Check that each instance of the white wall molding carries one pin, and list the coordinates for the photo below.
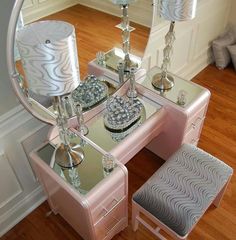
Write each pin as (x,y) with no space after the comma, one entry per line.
(34,10)
(6,170)
(20,210)
(13,119)
(18,182)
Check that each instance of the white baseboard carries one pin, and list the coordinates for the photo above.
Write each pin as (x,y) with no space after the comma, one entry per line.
(199,64)
(21,210)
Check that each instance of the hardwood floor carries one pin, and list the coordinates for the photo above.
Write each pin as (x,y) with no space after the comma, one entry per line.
(96,31)
(218,138)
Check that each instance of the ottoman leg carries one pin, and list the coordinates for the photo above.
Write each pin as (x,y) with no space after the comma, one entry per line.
(135,214)
(220,195)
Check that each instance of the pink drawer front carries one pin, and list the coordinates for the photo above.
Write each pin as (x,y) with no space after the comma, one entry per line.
(193,135)
(111,222)
(195,121)
(108,204)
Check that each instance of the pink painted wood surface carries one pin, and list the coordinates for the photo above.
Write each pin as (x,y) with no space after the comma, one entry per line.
(138,139)
(77,209)
(178,122)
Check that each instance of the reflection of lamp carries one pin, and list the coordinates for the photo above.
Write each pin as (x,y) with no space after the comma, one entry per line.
(172,10)
(49,56)
(126,29)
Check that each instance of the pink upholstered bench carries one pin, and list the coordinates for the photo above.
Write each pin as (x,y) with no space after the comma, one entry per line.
(179,193)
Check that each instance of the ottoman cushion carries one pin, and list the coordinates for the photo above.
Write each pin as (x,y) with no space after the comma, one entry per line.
(183,188)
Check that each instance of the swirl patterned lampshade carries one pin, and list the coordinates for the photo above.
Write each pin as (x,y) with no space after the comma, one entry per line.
(49,56)
(178,10)
(123,2)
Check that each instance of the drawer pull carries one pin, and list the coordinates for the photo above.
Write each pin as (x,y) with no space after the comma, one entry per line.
(109,211)
(109,230)
(196,123)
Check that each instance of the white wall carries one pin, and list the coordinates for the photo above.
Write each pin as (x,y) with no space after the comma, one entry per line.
(192,48)
(232,17)
(7,97)
(36,9)
(140,8)
(20,133)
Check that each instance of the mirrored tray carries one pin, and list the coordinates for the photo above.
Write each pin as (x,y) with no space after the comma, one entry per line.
(114,56)
(83,177)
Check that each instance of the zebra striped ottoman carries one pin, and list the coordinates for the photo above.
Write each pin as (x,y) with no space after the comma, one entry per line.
(179,193)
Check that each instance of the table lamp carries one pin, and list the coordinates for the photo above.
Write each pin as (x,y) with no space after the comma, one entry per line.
(49,57)
(172,10)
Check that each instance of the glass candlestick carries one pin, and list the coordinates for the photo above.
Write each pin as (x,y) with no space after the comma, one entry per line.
(126,36)
(100,58)
(121,71)
(67,106)
(182,97)
(108,163)
(82,128)
(132,93)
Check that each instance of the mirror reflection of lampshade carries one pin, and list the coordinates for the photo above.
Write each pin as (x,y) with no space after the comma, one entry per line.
(178,10)
(49,55)
(123,2)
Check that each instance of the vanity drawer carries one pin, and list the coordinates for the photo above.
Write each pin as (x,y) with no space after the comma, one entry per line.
(192,136)
(108,204)
(195,121)
(109,223)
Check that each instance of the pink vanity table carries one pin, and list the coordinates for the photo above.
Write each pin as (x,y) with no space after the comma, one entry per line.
(97,209)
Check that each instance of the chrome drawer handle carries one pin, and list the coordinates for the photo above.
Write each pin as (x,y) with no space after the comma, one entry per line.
(109,211)
(117,203)
(109,230)
(197,123)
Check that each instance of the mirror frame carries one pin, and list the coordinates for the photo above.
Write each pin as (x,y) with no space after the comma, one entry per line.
(12,69)
(14,75)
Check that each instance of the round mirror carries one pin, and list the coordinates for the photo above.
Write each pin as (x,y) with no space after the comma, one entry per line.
(101,42)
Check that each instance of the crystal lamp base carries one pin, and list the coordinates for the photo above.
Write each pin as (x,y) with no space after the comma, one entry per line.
(162,82)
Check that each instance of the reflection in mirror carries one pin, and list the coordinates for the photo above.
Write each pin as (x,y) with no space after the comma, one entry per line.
(99,44)
(183,94)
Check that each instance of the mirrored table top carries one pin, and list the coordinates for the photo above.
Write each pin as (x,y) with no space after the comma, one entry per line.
(90,172)
(106,139)
(83,177)
(192,90)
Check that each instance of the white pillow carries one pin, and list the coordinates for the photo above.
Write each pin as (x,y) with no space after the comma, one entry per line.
(220,51)
(232,51)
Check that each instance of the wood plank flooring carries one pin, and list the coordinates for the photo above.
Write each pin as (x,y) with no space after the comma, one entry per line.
(96,31)
(218,138)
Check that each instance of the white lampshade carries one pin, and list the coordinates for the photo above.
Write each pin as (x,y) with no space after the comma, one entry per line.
(123,2)
(178,10)
(49,56)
